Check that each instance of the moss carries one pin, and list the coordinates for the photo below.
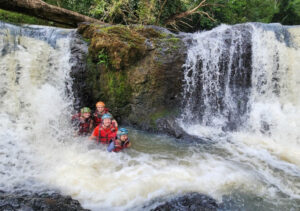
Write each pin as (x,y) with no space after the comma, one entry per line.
(123,45)
(149,33)
(93,78)
(164,35)
(158,115)
(111,87)
(173,40)
(17,18)
(87,40)
(134,78)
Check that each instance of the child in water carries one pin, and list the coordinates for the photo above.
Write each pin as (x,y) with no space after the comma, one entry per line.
(83,121)
(121,142)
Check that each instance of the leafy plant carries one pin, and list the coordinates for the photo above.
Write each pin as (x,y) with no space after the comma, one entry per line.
(103,58)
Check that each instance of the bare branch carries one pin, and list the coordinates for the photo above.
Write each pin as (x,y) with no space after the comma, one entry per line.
(186,24)
(160,11)
(176,17)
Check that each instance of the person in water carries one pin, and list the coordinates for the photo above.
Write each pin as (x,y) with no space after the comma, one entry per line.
(100,111)
(106,131)
(121,142)
(83,121)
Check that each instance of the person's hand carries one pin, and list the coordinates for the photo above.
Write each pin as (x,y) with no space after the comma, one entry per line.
(118,143)
(115,123)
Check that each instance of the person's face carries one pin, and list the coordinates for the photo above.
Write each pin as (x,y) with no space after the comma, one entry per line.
(124,137)
(106,122)
(86,115)
(100,109)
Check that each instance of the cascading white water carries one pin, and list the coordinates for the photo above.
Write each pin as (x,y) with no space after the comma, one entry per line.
(217,76)
(38,151)
(259,94)
(34,68)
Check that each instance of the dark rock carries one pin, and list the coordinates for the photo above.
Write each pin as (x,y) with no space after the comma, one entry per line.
(44,201)
(170,126)
(79,51)
(189,202)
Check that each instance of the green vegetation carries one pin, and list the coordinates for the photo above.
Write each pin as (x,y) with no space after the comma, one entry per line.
(116,47)
(182,15)
(289,12)
(103,57)
(214,12)
(80,6)
(159,114)
(166,13)
(17,18)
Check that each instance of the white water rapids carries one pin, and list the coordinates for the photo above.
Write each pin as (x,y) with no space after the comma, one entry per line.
(248,169)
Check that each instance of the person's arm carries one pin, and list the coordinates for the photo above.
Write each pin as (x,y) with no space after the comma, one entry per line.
(92,137)
(115,123)
(111,146)
(94,134)
(91,125)
(113,120)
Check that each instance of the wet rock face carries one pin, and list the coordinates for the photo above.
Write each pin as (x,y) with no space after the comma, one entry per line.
(79,52)
(190,202)
(137,71)
(44,201)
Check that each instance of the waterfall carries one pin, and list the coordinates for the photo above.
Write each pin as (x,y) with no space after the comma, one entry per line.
(218,76)
(35,98)
(241,91)
(245,78)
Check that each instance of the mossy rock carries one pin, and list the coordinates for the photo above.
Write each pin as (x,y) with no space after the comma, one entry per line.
(139,84)
(123,45)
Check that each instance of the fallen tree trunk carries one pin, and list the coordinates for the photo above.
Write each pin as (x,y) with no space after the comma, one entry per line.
(42,10)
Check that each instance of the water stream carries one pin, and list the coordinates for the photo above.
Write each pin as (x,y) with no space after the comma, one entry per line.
(253,162)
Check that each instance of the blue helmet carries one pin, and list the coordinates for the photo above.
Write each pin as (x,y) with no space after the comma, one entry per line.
(122,131)
(106,116)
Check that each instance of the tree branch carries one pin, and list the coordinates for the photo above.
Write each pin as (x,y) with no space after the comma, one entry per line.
(176,17)
(40,9)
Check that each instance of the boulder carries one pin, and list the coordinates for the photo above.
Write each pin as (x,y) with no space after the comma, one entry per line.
(43,201)
(190,201)
(136,70)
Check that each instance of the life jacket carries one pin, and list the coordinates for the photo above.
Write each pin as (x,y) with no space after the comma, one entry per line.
(98,117)
(106,135)
(84,127)
(119,147)
(75,119)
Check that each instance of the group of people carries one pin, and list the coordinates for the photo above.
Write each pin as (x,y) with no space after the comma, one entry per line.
(102,127)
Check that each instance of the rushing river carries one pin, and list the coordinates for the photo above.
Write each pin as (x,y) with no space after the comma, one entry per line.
(252,162)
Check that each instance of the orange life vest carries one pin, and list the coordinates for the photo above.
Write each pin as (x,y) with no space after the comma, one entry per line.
(106,134)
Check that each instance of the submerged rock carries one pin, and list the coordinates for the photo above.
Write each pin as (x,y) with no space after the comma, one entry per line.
(45,201)
(189,202)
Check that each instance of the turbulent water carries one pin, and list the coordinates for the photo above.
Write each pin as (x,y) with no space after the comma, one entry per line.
(241,93)
(241,90)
